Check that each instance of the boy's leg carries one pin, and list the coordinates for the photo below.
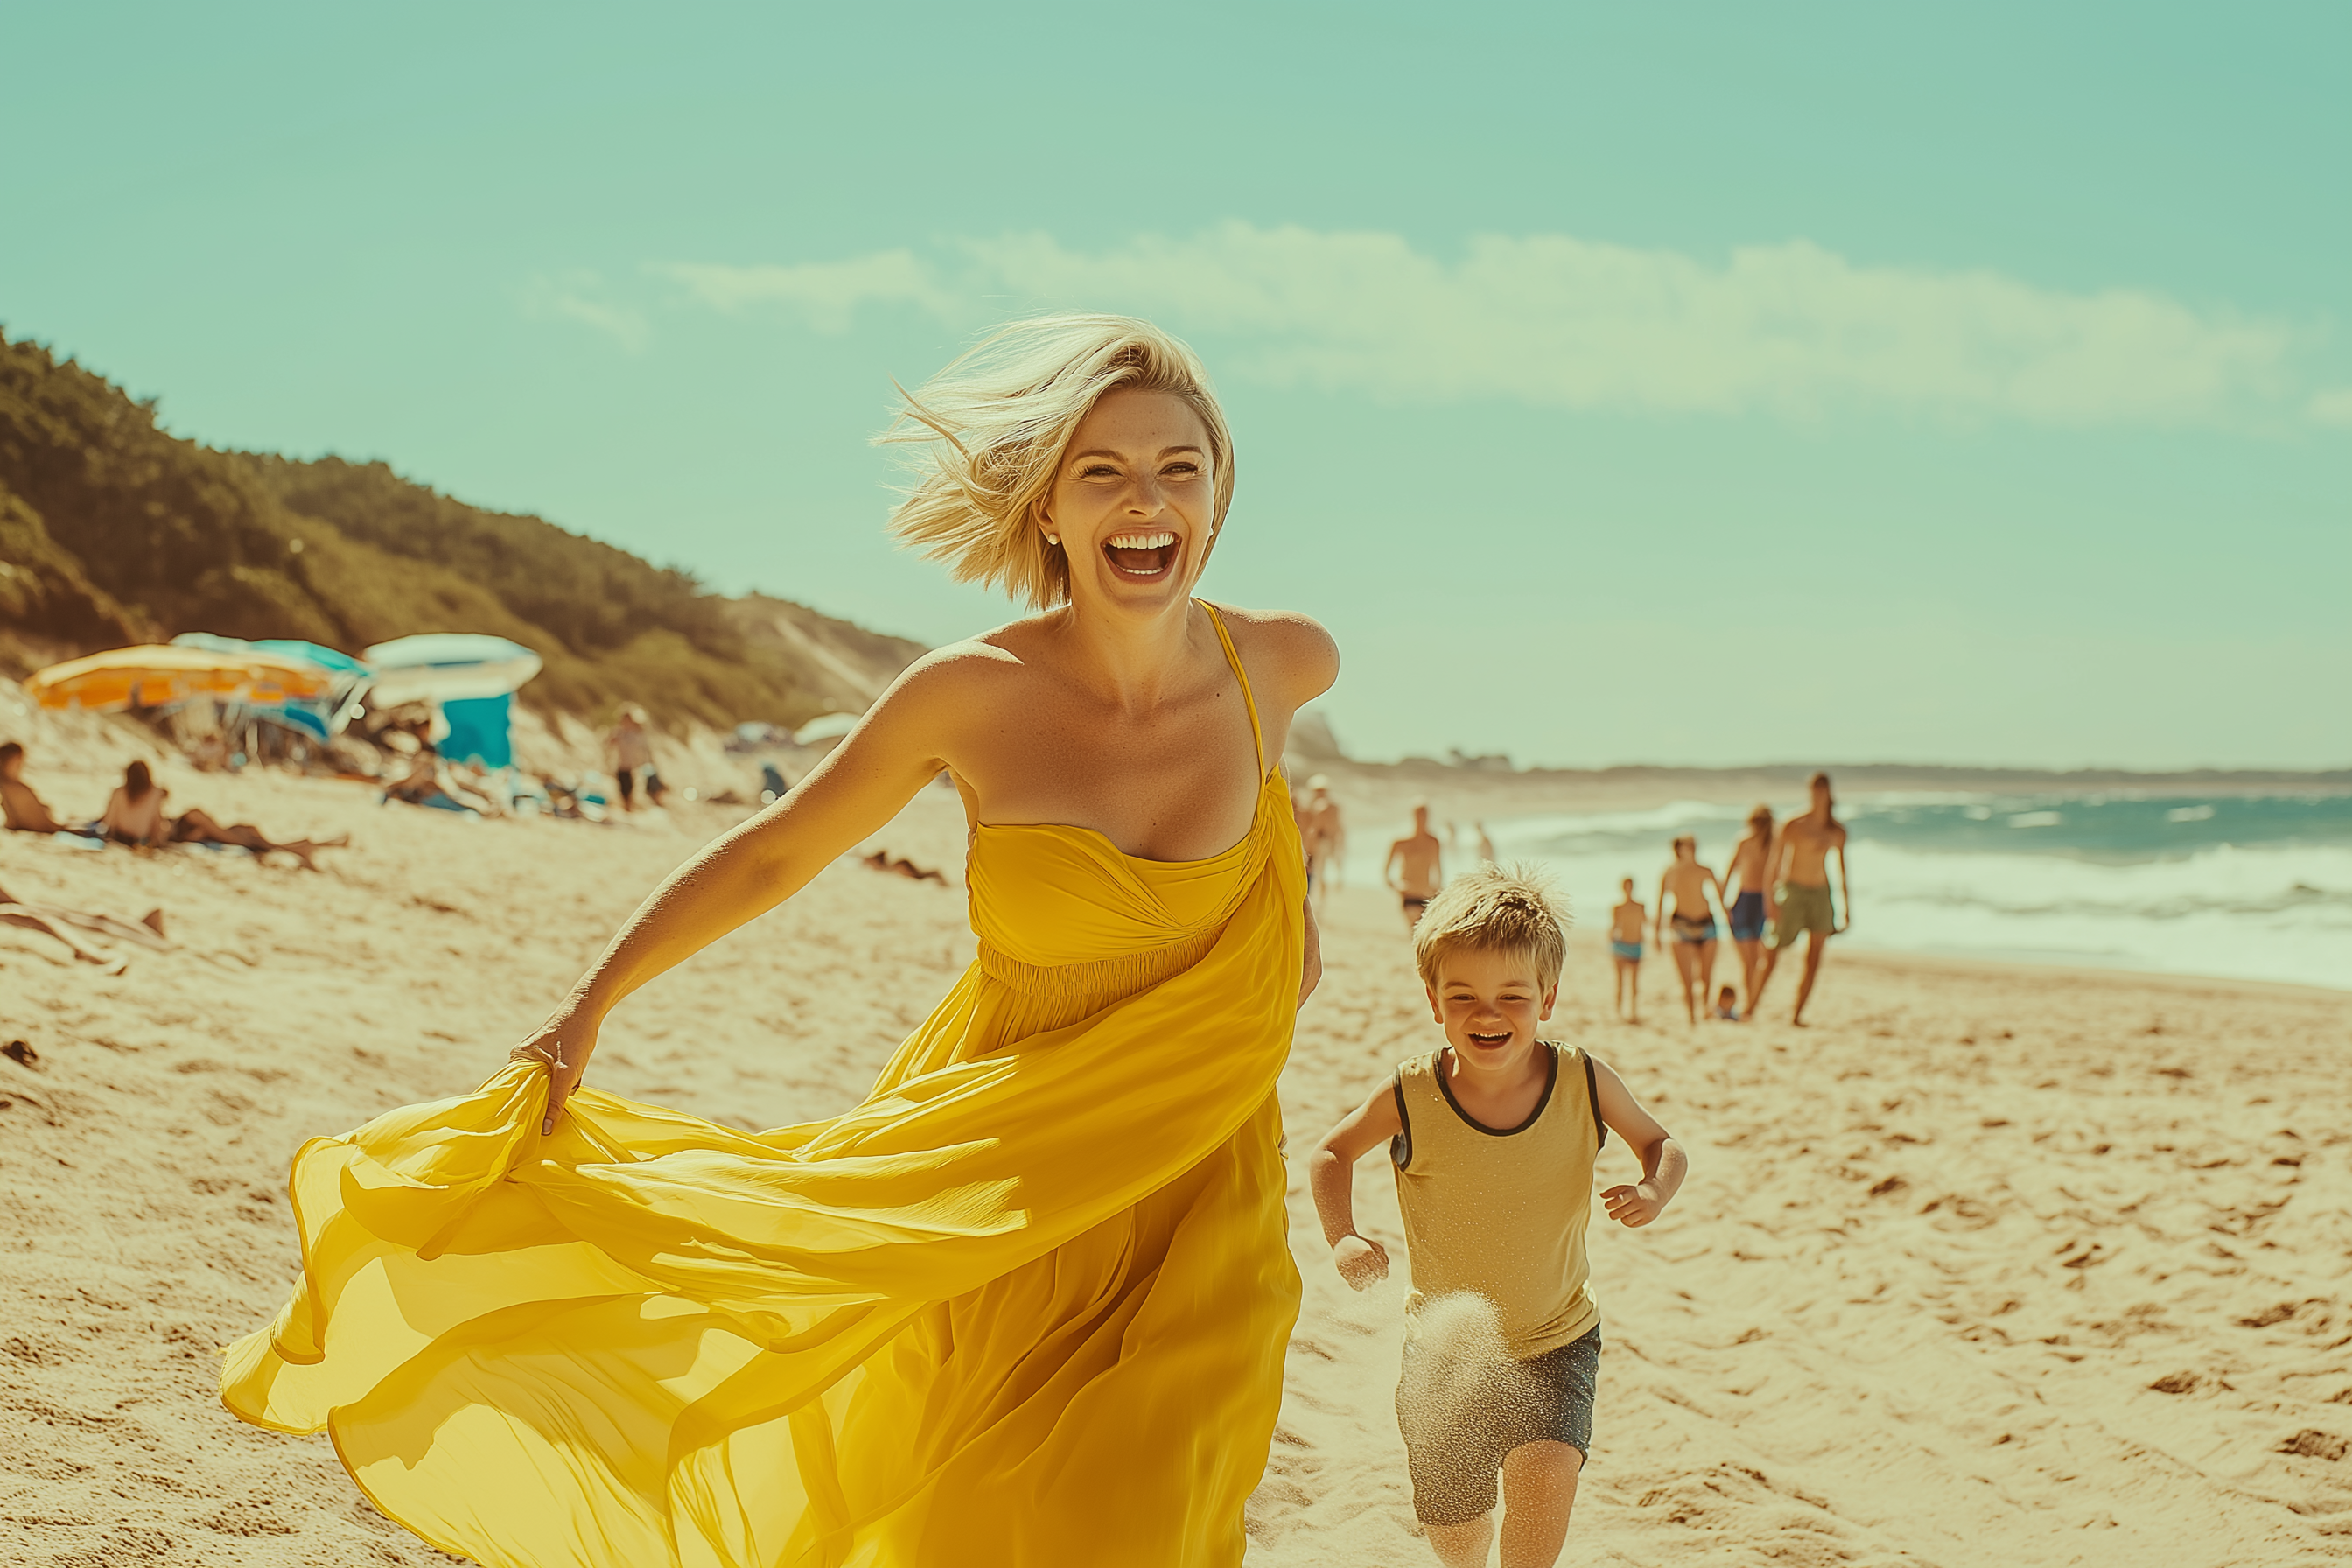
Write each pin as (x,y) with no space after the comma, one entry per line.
(1463,1545)
(1538,1492)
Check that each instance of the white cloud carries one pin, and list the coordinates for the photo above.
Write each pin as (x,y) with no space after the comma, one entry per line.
(2331,405)
(574,297)
(1550,319)
(827,292)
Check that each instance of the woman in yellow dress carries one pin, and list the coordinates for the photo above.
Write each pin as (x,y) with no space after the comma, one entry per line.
(1027,1304)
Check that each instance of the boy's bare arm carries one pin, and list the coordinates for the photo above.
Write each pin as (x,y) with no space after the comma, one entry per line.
(1663,1164)
(1331,1176)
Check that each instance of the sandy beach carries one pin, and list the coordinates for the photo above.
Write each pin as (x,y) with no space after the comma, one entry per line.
(2029,1266)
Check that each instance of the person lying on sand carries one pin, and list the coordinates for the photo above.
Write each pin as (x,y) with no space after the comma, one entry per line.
(1493,1137)
(135,815)
(59,922)
(19,806)
(432,782)
(880,861)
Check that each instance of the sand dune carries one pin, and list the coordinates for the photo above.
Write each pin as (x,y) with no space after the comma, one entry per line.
(1992,1265)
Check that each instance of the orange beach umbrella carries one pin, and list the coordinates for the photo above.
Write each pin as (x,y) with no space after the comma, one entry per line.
(153,676)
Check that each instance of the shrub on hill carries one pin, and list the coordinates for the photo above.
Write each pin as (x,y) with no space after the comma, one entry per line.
(112,531)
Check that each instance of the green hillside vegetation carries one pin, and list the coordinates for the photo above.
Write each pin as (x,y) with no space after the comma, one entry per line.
(113,531)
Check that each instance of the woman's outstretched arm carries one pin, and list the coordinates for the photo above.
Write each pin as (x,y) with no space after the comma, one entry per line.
(742,875)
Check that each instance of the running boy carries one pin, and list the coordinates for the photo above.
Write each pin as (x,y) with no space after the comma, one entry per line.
(1493,1138)
(1626,922)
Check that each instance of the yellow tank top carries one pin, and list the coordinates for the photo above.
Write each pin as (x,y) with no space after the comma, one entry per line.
(1502,1211)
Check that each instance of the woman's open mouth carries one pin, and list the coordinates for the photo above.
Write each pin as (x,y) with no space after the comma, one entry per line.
(1142,556)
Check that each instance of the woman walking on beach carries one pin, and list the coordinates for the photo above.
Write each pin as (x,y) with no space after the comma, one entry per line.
(1027,1304)
(1749,858)
(1681,904)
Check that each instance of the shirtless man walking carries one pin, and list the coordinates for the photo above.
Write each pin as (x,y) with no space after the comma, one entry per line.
(1325,835)
(1798,872)
(1416,867)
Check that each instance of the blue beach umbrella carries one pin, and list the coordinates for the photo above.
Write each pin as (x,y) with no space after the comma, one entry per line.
(471,678)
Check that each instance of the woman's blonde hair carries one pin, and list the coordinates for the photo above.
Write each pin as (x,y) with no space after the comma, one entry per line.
(988,433)
(1494,908)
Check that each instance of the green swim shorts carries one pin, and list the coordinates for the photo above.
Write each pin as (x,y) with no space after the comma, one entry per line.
(1803,908)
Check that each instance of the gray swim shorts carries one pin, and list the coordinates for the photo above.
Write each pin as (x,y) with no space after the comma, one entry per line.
(1458,1422)
(1803,910)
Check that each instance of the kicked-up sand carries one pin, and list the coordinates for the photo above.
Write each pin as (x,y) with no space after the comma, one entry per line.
(1991,1265)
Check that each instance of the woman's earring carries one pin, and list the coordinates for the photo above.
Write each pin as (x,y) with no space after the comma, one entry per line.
(1053,539)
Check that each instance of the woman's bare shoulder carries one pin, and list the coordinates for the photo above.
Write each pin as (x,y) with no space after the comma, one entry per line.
(976,670)
(1288,646)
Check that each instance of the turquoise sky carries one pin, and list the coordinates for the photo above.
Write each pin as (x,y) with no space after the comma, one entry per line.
(1705,384)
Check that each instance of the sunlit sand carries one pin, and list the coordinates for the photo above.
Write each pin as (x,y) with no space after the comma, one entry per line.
(2019,1265)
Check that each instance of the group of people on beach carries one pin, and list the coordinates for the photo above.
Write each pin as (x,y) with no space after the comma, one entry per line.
(1782,876)
(1780,872)
(1415,866)
(137,814)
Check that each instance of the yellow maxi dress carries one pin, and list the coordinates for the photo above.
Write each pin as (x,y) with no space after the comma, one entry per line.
(1025,1305)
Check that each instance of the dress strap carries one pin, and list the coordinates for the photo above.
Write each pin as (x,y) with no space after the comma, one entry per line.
(1257,736)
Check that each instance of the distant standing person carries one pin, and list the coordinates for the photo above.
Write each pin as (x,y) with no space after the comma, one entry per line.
(1799,875)
(1625,923)
(1325,833)
(1417,867)
(631,749)
(1749,858)
(1485,845)
(1686,883)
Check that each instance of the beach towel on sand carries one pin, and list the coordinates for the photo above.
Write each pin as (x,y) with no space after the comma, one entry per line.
(1025,1305)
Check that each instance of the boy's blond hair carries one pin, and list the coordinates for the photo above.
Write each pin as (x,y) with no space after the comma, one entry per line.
(1494,908)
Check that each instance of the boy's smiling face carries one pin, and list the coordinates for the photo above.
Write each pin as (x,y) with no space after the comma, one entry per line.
(1491,1003)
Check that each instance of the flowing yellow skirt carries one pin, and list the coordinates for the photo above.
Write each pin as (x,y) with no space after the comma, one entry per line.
(1025,1305)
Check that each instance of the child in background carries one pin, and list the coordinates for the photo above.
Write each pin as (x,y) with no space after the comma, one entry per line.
(1626,922)
(1726,1005)
(1493,1137)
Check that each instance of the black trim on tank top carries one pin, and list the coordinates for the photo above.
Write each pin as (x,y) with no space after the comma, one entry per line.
(1551,1081)
(1401,1146)
(1592,1098)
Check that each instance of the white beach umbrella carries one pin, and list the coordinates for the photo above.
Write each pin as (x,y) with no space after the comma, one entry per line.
(448,667)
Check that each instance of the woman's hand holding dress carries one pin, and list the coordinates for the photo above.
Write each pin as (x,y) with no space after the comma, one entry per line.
(562,1045)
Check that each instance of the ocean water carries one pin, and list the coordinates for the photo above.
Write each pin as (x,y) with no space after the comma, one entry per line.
(2251,886)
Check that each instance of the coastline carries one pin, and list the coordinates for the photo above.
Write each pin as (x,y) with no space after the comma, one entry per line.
(2088,1198)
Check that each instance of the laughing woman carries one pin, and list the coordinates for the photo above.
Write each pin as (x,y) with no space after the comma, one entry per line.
(1027,1303)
